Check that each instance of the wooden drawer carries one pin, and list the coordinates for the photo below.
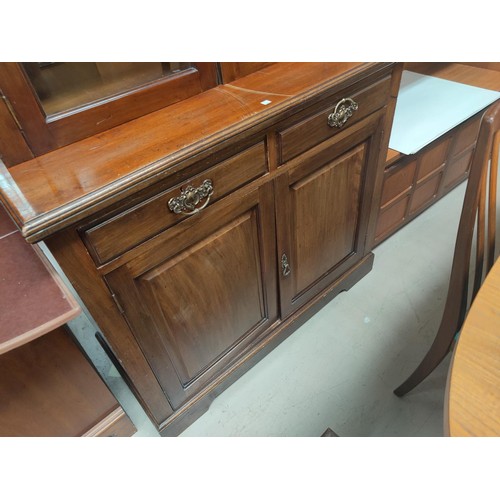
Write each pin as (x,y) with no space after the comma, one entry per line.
(392,217)
(112,237)
(457,170)
(432,160)
(397,181)
(314,129)
(425,193)
(466,136)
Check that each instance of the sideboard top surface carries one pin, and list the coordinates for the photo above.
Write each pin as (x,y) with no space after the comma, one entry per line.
(53,191)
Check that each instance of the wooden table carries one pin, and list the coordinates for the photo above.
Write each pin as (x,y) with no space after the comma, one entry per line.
(473,399)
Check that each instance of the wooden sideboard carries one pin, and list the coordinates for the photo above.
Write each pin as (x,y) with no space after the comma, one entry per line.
(201,235)
(412,183)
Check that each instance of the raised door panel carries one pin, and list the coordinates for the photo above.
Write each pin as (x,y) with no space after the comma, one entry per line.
(326,208)
(323,213)
(216,296)
(194,307)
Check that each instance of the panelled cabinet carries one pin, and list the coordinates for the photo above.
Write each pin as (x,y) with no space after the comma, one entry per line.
(201,292)
(197,269)
(323,211)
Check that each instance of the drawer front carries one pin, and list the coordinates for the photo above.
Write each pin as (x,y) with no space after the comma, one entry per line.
(398,181)
(466,136)
(425,193)
(124,231)
(314,129)
(457,170)
(390,218)
(432,160)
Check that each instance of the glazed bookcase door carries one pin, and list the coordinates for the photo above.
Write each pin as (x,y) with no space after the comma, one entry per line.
(203,292)
(56,104)
(323,205)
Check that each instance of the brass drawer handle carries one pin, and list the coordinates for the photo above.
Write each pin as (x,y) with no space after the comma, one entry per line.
(342,112)
(187,202)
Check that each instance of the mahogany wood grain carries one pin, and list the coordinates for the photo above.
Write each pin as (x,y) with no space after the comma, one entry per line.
(392,217)
(234,70)
(314,129)
(203,292)
(325,205)
(398,182)
(16,87)
(153,300)
(45,133)
(71,254)
(392,156)
(85,174)
(286,78)
(425,193)
(461,73)
(375,188)
(323,209)
(69,128)
(486,65)
(207,74)
(13,146)
(71,183)
(112,237)
(50,389)
(457,170)
(196,406)
(116,424)
(434,159)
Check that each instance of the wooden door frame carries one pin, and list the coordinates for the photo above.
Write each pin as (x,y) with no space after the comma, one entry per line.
(368,129)
(44,133)
(169,245)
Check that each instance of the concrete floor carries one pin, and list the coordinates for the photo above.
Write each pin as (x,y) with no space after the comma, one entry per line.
(339,369)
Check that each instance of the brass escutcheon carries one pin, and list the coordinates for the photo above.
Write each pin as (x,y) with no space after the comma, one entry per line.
(285,267)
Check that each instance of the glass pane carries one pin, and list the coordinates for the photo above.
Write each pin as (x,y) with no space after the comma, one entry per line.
(67,86)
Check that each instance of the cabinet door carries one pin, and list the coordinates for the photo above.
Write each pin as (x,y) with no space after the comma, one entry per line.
(203,292)
(59,103)
(323,205)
